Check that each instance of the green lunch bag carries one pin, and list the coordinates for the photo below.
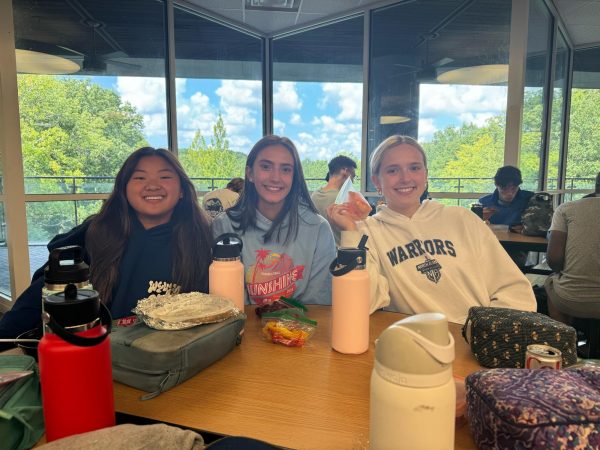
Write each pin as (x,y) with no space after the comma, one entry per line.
(21,418)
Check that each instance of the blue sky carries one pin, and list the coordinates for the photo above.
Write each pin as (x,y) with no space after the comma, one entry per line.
(322,119)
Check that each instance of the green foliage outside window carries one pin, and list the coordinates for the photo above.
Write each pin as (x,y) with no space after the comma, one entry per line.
(72,127)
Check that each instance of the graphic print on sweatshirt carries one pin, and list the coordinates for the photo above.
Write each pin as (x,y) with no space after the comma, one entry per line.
(416,248)
(272,275)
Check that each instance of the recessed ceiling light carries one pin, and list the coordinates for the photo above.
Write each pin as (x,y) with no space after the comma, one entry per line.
(272,5)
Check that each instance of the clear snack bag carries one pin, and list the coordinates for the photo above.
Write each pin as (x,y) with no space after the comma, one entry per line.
(357,204)
(288,327)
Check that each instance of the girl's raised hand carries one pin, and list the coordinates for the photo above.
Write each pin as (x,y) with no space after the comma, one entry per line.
(341,216)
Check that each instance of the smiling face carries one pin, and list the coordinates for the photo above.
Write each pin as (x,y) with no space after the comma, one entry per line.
(402,178)
(153,191)
(273,175)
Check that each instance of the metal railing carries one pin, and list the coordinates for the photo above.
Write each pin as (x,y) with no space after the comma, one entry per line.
(449,190)
(40,185)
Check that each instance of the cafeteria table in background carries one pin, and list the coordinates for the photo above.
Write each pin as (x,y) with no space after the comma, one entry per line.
(517,242)
(310,397)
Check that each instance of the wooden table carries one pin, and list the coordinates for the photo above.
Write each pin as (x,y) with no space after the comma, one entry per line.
(520,242)
(311,397)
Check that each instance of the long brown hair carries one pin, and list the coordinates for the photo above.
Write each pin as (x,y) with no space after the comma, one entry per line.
(243,214)
(110,229)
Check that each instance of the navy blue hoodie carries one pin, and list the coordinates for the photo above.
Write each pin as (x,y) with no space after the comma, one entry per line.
(145,268)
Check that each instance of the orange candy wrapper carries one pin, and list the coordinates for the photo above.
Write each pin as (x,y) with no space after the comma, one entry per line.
(358,206)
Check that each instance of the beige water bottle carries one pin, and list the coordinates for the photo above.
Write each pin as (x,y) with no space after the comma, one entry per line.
(350,302)
(413,394)
(226,272)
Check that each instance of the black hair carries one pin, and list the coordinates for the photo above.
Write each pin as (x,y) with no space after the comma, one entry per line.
(338,163)
(508,175)
(109,230)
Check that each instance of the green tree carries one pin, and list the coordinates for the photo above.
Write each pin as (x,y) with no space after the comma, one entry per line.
(214,160)
(71,127)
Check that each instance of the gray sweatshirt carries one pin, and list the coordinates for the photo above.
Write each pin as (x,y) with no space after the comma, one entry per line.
(298,269)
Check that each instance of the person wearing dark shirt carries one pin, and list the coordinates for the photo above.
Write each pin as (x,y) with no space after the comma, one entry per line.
(150,237)
(508,201)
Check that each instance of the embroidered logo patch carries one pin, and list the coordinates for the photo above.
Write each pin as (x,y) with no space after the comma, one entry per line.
(431,268)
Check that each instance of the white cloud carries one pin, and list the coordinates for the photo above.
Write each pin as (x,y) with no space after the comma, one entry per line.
(278,127)
(295,119)
(240,105)
(324,143)
(347,97)
(147,96)
(285,96)
(440,98)
(426,129)
(240,92)
(477,119)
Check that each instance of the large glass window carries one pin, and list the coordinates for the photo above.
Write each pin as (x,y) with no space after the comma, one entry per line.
(317,94)
(219,98)
(81,120)
(537,69)
(583,156)
(438,72)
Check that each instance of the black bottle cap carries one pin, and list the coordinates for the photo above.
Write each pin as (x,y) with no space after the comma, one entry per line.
(57,272)
(347,255)
(227,247)
(73,306)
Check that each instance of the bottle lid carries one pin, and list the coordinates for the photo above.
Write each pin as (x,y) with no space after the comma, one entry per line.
(227,246)
(347,255)
(349,258)
(73,306)
(418,347)
(60,269)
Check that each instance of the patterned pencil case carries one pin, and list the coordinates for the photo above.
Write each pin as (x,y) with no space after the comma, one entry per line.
(499,337)
(534,408)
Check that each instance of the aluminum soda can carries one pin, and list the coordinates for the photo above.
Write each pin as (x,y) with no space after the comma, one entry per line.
(540,356)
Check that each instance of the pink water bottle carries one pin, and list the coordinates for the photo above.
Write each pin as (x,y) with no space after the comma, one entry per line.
(350,304)
(75,364)
(226,272)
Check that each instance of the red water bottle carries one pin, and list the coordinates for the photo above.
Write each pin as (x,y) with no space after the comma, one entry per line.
(75,364)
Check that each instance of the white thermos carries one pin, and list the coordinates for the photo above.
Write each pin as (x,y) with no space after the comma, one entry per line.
(413,395)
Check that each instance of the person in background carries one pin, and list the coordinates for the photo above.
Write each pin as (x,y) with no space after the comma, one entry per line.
(506,204)
(574,255)
(287,245)
(596,192)
(424,256)
(340,169)
(150,237)
(217,201)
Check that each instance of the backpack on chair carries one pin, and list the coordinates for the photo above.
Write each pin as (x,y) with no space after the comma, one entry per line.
(537,216)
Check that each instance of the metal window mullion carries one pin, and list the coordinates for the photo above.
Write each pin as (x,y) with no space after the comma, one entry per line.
(547,110)
(564,144)
(267,85)
(364,153)
(169,16)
